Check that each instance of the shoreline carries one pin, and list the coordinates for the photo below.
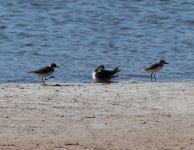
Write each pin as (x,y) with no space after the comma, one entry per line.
(124,115)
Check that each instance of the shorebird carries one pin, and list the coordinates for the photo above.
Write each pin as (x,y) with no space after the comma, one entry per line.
(100,75)
(155,67)
(45,72)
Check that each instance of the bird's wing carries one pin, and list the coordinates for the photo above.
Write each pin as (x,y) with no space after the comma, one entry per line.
(103,74)
(153,66)
(46,69)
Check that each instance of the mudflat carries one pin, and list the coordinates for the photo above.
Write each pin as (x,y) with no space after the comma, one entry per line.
(127,116)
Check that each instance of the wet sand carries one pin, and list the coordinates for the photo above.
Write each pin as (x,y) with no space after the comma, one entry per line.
(128,116)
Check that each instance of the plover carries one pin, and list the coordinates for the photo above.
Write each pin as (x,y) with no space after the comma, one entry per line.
(100,75)
(155,67)
(45,72)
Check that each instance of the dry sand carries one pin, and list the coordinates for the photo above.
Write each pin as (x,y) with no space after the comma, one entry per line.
(126,116)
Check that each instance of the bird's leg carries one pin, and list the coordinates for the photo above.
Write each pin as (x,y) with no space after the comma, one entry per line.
(49,77)
(151,76)
(43,80)
(155,76)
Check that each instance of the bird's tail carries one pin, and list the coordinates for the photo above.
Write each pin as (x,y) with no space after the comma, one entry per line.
(116,70)
(114,76)
(143,70)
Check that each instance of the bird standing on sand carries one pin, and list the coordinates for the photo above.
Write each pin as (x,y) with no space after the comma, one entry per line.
(100,75)
(155,67)
(45,72)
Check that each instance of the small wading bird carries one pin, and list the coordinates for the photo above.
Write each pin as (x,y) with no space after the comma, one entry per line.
(100,75)
(155,67)
(45,72)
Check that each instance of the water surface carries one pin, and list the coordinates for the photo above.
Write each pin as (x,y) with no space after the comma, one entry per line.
(80,35)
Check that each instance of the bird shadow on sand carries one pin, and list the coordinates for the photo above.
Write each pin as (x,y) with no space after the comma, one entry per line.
(61,85)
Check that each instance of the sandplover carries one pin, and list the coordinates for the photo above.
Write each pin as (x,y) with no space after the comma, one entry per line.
(45,72)
(100,75)
(155,67)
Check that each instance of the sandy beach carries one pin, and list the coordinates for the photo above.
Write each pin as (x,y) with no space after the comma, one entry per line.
(124,116)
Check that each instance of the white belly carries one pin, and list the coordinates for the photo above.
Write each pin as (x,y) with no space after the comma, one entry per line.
(93,75)
(154,70)
(44,75)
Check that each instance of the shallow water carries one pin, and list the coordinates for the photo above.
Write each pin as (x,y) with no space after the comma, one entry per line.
(80,35)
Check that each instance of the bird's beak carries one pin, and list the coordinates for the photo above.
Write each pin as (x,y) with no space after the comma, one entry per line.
(57,66)
(166,63)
